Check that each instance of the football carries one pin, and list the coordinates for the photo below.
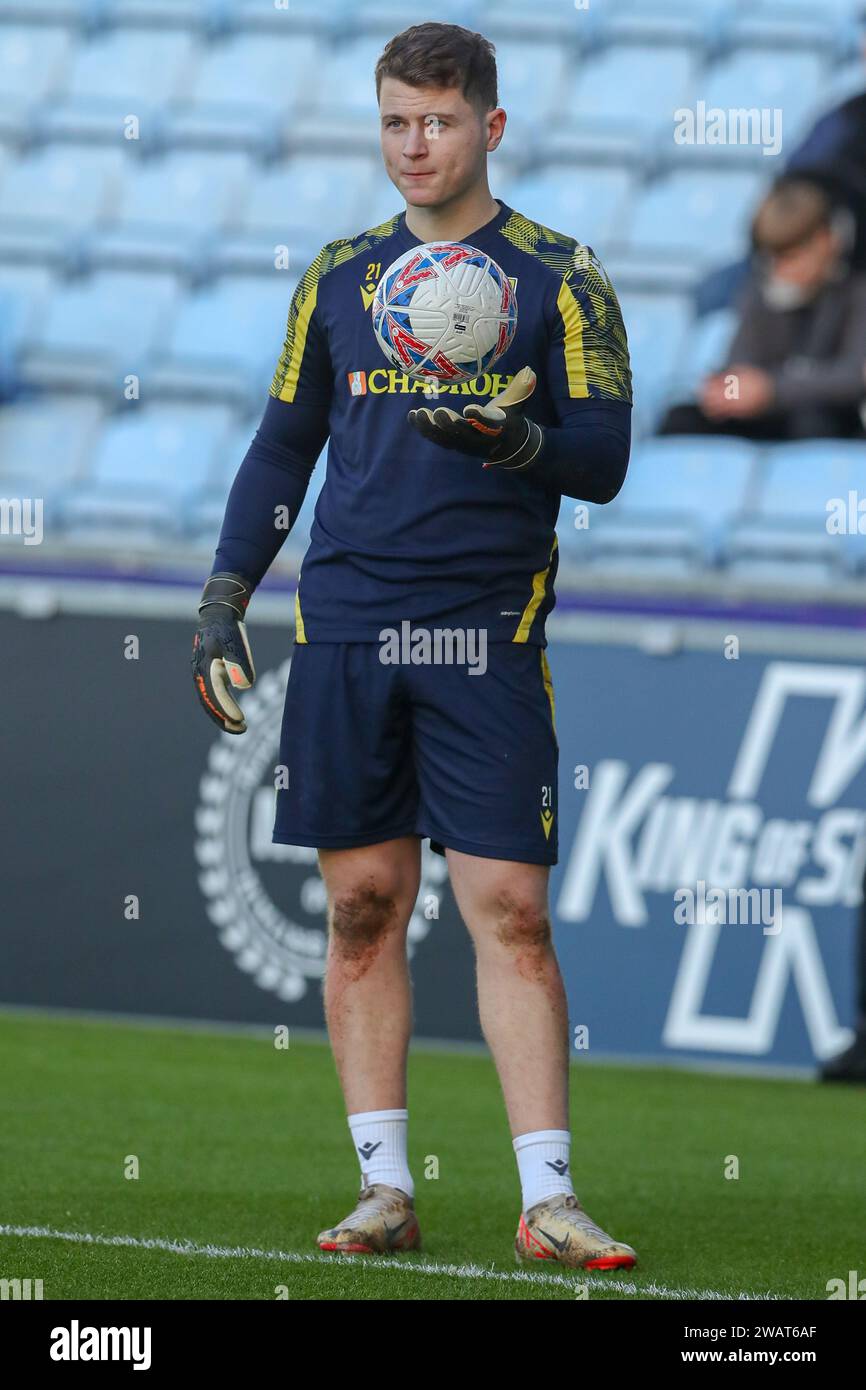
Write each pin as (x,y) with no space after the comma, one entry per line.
(444,312)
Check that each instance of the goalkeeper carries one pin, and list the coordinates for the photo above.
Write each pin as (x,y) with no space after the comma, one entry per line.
(440,513)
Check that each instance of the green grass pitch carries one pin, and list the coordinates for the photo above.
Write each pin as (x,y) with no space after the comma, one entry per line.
(243,1156)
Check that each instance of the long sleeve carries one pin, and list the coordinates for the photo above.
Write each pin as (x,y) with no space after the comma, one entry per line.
(269,488)
(585,455)
(272,480)
(588,459)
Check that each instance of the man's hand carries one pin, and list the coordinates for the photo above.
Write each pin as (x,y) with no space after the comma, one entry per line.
(499,432)
(754,393)
(221,653)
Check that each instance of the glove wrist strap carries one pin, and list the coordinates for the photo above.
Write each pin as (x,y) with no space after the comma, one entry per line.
(526,452)
(231,590)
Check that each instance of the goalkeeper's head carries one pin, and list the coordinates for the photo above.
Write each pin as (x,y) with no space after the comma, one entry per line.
(439,112)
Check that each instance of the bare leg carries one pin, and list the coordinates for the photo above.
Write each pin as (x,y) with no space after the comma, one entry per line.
(368,999)
(521,997)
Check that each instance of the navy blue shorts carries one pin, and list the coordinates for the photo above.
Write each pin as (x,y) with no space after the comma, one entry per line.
(377,751)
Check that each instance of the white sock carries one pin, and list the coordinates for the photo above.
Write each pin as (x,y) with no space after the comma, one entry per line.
(380,1143)
(542,1161)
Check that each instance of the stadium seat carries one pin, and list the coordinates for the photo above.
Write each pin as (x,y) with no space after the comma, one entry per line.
(767,79)
(149,463)
(164,14)
(300,203)
(697,216)
(629,89)
(792,513)
(703,351)
(98,329)
(247,91)
(169,209)
(388,17)
(117,73)
(545,20)
(33,60)
(206,514)
(26,291)
(50,196)
(301,16)
(655,326)
(226,339)
(693,22)
(679,497)
(587,203)
(344,113)
(48,440)
(49,11)
(531,80)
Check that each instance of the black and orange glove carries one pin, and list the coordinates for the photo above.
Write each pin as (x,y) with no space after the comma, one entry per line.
(221,656)
(499,432)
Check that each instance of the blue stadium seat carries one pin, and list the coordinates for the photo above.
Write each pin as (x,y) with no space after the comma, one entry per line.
(33,61)
(301,16)
(299,203)
(49,195)
(382,200)
(205,516)
(655,326)
(149,464)
(766,78)
(544,20)
(388,17)
(679,496)
(169,208)
(25,291)
(704,351)
(226,339)
(584,202)
(117,73)
(632,88)
(98,329)
(346,91)
(698,215)
(166,14)
(695,22)
(789,525)
(246,92)
(49,439)
(531,80)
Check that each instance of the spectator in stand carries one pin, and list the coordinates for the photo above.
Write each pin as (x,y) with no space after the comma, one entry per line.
(832,155)
(796,368)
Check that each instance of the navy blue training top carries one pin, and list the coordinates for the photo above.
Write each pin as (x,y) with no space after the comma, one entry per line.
(403,528)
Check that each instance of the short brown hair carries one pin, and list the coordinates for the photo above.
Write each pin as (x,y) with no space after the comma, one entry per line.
(443,55)
(790,215)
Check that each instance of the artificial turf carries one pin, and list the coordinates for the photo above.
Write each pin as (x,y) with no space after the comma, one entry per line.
(243,1147)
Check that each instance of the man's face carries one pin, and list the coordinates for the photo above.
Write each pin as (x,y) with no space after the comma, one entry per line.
(809,264)
(433,141)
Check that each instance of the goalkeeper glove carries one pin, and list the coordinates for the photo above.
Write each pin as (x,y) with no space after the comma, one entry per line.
(498,432)
(221,653)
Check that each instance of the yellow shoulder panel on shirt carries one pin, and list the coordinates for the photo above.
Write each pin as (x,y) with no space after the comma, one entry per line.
(596,347)
(285,380)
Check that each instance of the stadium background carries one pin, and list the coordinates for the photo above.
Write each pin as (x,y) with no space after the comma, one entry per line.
(140,318)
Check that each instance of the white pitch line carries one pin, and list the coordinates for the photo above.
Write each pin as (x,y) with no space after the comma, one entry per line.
(465,1271)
